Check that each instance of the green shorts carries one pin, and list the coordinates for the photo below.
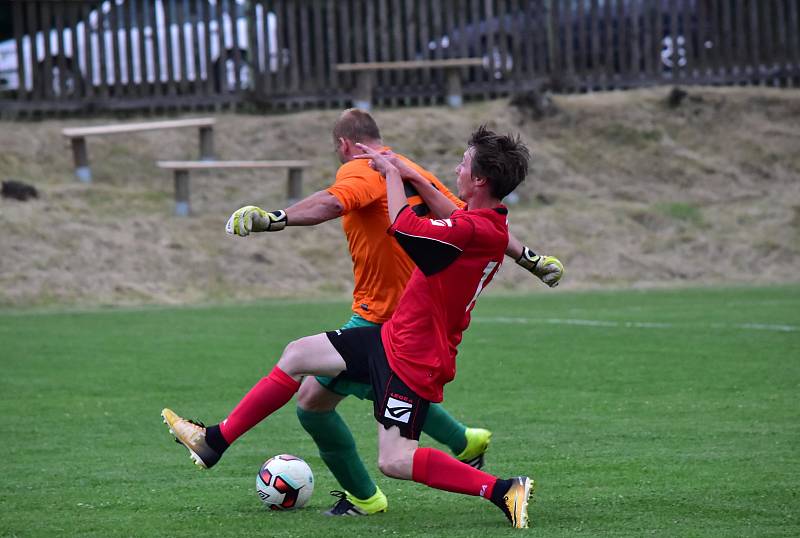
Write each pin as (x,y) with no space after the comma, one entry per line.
(347,387)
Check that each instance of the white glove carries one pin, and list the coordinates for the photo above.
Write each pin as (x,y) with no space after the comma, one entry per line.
(254,219)
(547,268)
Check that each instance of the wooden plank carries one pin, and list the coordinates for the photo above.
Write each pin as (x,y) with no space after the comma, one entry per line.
(793,21)
(740,58)
(119,128)
(46,65)
(410,31)
(237,57)
(169,46)
(623,40)
(582,33)
(188,50)
(461,49)
(61,57)
(318,46)
(115,53)
(294,45)
(214,165)
(727,32)
(410,64)
(568,53)
(384,51)
(256,51)
(517,18)
(73,16)
(658,42)
(332,49)
(23,94)
(781,43)
(422,39)
(594,15)
(755,41)
(205,8)
(703,32)
(139,49)
(220,69)
(554,42)
(608,24)
(305,47)
(343,23)
(636,42)
(89,88)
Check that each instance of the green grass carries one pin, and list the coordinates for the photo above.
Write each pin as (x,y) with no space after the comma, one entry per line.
(670,413)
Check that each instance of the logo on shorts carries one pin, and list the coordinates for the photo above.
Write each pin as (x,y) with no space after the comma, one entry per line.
(398,410)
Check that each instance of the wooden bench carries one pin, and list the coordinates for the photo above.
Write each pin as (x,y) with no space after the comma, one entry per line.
(181,172)
(365,76)
(77,136)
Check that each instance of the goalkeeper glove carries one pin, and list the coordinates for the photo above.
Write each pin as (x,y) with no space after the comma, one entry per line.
(254,219)
(548,268)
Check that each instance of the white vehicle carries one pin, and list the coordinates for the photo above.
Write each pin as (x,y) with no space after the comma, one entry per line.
(187,41)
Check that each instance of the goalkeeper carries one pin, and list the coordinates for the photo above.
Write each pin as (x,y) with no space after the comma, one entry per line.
(380,269)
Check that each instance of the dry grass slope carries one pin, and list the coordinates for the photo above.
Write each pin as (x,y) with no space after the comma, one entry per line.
(627,191)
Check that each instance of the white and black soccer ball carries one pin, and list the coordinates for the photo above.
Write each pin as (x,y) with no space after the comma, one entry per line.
(285,482)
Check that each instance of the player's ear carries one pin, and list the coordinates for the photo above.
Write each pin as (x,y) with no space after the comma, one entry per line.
(480,181)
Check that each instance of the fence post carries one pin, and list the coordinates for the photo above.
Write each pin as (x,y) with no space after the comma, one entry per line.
(362,97)
(295,185)
(81,157)
(207,143)
(182,208)
(454,95)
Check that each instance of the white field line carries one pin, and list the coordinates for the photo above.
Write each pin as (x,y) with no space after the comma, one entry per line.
(637,324)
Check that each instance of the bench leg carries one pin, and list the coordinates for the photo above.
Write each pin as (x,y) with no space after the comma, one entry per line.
(454,95)
(182,208)
(207,144)
(295,185)
(81,157)
(363,94)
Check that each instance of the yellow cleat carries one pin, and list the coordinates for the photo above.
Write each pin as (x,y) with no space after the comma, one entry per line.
(192,435)
(477,444)
(514,500)
(348,505)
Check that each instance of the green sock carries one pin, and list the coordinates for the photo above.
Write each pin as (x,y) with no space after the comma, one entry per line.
(337,448)
(445,429)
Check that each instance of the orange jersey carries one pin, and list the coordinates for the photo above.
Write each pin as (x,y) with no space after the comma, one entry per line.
(380,267)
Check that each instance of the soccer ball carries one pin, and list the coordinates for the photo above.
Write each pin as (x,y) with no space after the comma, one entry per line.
(285,482)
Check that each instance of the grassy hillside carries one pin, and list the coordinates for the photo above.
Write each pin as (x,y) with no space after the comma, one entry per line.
(625,190)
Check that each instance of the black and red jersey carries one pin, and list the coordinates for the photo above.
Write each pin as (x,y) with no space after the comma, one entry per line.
(456,258)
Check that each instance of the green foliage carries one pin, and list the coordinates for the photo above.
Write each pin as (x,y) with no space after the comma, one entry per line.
(671,413)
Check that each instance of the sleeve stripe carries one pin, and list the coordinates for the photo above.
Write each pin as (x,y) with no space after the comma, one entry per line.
(398,232)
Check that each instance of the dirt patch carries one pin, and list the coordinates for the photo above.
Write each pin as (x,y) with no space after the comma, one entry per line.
(626,190)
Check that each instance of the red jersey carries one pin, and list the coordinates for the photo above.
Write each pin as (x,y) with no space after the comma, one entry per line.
(456,258)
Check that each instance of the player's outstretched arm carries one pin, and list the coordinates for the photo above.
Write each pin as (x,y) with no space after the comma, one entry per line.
(319,207)
(548,269)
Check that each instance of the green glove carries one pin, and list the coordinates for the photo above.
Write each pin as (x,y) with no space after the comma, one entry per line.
(547,268)
(254,219)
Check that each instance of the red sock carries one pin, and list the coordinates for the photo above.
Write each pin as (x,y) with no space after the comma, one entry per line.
(266,397)
(438,470)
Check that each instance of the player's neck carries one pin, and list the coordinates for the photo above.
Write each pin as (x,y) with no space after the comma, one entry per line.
(482,200)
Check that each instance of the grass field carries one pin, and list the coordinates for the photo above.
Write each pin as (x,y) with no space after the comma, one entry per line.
(671,413)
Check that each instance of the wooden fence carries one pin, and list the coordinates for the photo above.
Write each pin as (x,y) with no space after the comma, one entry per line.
(85,56)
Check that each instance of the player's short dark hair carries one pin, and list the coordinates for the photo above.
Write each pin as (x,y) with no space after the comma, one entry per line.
(501,159)
(356,125)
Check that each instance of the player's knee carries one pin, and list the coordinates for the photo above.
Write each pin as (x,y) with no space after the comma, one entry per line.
(314,397)
(292,357)
(396,464)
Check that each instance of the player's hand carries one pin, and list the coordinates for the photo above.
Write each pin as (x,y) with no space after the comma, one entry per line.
(381,162)
(548,269)
(254,219)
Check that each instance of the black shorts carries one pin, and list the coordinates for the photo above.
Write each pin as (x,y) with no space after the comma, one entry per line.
(395,403)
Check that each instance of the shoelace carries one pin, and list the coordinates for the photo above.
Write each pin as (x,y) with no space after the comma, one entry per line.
(339,493)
